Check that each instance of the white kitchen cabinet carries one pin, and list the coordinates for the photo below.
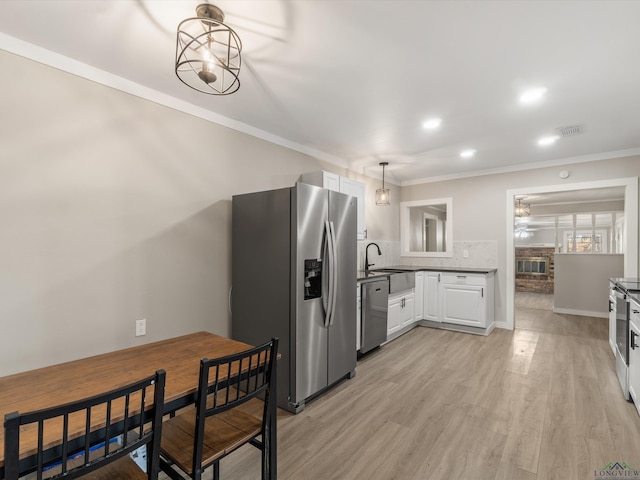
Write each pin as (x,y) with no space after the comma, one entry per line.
(467,299)
(419,296)
(431,297)
(328,180)
(358,316)
(356,189)
(401,311)
(332,181)
(634,354)
(612,318)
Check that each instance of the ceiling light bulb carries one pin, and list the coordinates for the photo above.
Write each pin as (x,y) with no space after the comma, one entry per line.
(467,153)
(432,123)
(208,66)
(545,141)
(533,95)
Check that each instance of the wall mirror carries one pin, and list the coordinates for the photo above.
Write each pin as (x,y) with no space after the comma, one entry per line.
(426,228)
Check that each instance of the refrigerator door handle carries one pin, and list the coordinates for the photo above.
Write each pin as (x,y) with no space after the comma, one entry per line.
(333,280)
(329,271)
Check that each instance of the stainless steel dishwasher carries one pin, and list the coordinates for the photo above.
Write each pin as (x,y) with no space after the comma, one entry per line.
(375,304)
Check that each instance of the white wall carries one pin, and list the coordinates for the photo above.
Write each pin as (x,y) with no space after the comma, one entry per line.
(114,209)
(581,283)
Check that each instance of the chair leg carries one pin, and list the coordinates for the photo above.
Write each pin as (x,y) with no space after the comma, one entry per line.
(270,440)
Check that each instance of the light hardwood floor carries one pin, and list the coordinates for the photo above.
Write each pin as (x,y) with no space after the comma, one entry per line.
(539,402)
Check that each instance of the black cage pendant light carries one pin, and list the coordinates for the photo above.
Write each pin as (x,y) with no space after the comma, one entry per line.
(208,52)
(521,209)
(382,194)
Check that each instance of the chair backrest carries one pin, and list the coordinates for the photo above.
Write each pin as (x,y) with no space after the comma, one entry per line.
(76,438)
(233,380)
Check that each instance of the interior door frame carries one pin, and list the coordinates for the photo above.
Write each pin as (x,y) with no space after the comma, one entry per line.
(630,237)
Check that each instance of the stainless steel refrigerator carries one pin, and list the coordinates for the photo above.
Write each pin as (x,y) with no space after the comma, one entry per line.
(294,277)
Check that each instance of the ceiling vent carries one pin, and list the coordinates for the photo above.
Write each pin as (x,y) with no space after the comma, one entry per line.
(570,130)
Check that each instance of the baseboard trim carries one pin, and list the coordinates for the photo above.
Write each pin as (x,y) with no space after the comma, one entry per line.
(584,313)
(458,328)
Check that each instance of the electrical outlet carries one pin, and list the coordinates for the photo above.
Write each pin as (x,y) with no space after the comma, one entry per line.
(465,253)
(141,327)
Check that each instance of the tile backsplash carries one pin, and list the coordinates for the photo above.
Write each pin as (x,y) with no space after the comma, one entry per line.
(479,254)
(390,253)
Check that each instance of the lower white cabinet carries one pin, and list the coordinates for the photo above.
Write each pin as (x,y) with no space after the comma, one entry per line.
(419,296)
(467,299)
(449,298)
(358,316)
(431,298)
(458,298)
(401,311)
(612,318)
(634,354)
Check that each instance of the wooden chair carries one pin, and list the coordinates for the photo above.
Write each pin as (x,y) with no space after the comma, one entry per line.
(200,437)
(80,439)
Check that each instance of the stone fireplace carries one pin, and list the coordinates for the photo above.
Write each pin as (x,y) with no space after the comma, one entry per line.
(534,269)
(532,265)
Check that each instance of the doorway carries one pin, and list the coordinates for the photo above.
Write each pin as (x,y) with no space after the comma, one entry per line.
(629,237)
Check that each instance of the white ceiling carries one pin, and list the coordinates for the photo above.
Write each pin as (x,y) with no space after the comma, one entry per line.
(352,81)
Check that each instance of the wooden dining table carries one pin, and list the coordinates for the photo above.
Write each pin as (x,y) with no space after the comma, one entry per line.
(67,382)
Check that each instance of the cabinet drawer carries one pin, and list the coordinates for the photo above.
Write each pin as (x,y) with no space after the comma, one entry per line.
(634,312)
(464,279)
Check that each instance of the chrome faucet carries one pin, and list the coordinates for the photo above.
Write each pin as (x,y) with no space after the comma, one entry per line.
(366,256)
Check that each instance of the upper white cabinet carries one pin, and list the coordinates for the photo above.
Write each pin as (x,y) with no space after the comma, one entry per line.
(356,189)
(332,181)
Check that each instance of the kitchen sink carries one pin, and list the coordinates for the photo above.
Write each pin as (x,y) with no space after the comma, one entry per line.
(399,280)
(371,273)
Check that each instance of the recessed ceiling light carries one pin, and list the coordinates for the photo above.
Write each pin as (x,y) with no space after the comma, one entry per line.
(544,141)
(532,95)
(432,123)
(468,153)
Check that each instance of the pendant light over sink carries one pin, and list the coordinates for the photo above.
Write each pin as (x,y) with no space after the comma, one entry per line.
(382,194)
(208,53)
